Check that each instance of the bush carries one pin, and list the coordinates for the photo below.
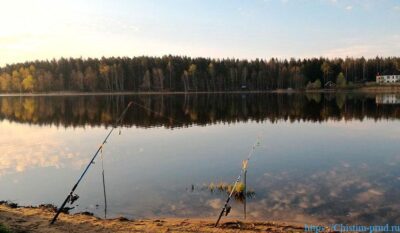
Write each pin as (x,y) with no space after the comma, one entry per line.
(341,80)
(315,85)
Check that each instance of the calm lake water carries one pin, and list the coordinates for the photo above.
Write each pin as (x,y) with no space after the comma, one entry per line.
(323,157)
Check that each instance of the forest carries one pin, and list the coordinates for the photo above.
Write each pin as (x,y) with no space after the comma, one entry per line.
(185,74)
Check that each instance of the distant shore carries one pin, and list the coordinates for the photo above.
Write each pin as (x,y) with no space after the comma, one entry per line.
(362,89)
(35,219)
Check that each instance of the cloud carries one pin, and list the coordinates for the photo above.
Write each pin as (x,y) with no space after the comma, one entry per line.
(388,45)
(354,50)
(349,8)
(396,8)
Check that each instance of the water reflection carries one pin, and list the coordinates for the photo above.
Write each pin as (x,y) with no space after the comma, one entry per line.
(387,99)
(342,169)
(199,109)
(22,149)
(342,194)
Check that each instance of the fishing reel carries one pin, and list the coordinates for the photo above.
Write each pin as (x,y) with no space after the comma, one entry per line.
(72,198)
(227,210)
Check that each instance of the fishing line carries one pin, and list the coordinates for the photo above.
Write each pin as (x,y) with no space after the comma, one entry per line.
(157,113)
(71,197)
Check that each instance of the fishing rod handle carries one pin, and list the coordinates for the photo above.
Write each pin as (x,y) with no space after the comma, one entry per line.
(222,211)
(220,216)
(60,209)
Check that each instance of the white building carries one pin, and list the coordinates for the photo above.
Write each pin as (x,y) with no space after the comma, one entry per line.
(387,78)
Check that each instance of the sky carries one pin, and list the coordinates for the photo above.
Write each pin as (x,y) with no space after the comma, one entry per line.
(46,29)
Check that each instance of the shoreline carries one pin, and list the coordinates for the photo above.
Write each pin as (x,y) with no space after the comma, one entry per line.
(66,93)
(36,219)
(364,89)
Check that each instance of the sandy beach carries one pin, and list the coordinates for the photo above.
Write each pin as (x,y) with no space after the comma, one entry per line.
(36,219)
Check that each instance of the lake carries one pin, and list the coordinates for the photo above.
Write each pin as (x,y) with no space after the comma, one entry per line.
(330,157)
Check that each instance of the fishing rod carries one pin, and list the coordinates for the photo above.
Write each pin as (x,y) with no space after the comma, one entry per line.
(226,208)
(71,197)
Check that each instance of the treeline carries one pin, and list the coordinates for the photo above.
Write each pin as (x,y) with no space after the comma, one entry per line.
(185,74)
(193,109)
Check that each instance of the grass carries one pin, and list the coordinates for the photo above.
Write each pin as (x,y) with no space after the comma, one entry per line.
(239,193)
(4,229)
(240,187)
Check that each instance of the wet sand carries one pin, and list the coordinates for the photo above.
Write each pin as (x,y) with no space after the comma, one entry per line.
(36,219)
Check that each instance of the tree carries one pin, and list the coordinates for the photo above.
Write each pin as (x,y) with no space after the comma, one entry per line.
(44,81)
(244,76)
(341,80)
(397,64)
(185,79)
(170,68)
(317,84)
(90,80)
(29,83)
(192,72)
(146,84)
(326,69)
(158,79)
(211,72)
(77,80)
(5,82)
(104,71)
(16,81)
